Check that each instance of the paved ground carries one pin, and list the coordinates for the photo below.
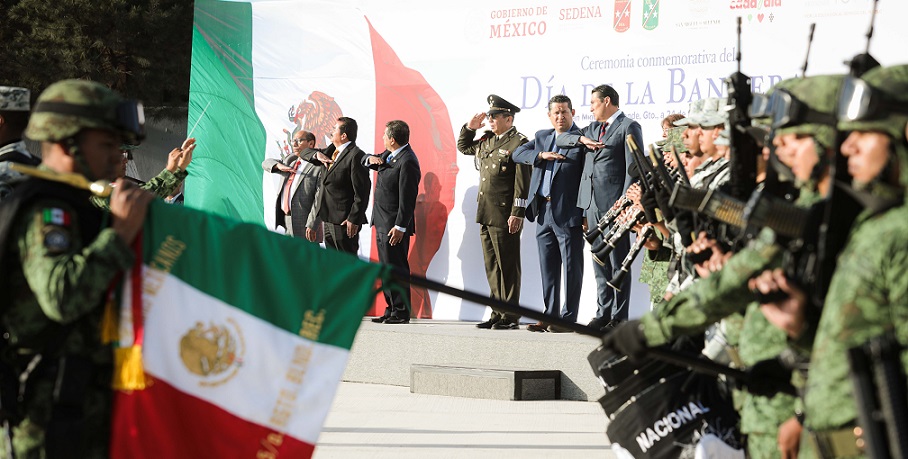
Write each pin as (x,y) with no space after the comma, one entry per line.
(377,421)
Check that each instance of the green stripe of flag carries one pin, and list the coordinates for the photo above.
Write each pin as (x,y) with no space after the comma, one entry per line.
(226,173)
(273,277)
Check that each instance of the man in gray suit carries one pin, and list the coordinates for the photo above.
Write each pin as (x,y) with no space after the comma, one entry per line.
(604,179)
(298,190)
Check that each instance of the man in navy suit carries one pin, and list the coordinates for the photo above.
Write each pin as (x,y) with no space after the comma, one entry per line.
(553,206)
(392,211)
(603,181)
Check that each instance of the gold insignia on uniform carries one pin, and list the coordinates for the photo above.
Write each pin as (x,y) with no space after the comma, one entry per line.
(504,168)
(214,353)
(503,152)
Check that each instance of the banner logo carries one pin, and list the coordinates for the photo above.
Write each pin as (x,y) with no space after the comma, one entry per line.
(317,114)
(650,14)
(622,15)
(214,353)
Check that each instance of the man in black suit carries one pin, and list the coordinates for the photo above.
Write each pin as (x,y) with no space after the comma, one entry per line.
(603,181)
(392,211)
(345,187)
(299,190)
(553,205)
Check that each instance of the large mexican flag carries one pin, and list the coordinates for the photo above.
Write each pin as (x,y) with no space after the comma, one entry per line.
(264,69)
(244,335)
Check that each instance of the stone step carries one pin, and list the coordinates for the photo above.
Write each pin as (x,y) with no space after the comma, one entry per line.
(383,354)
(485,382)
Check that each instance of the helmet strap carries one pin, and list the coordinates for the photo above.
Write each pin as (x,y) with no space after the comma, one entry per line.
(72,146)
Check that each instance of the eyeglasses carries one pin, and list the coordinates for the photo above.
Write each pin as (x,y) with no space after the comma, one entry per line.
(301,141)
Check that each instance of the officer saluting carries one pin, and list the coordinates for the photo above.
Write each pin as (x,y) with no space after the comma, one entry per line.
(502,198)
(59,254)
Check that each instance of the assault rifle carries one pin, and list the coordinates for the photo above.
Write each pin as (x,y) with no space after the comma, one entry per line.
(744,149)
(879,387)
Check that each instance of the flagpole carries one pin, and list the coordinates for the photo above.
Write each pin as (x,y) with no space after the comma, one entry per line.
(695,363)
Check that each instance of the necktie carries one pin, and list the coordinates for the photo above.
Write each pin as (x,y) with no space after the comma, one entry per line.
(285,201)
(602,131)
(334,158)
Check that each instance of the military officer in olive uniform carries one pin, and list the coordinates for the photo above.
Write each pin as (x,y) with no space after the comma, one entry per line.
(59,256)
(503,189)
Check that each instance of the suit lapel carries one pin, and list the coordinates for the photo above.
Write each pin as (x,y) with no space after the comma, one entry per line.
(337,161)
(610,131)
(296,183)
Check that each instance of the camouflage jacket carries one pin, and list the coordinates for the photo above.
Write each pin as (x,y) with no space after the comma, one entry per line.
(59,260)
(868,296)
(504,185)
(760,340)
(654,272)
(162,185)
(14,152)
(712,298)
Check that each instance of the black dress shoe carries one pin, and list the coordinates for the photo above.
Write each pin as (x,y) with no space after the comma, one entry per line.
(488,324)
(396,320)
(506,325)
(537,327)
(380,319)
(598,323)
(613,323)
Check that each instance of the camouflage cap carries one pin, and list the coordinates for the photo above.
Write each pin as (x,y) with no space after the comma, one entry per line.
(714,113)
(14,99)
(693,109)
(66,107)
(820,94)
(892,84)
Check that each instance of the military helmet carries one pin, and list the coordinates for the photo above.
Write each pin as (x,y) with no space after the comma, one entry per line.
(806,106)
(878,101)
(69,106)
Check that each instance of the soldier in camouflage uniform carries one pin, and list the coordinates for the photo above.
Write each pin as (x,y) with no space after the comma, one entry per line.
(14,113)
(726,292)
(503,189)
(60,257)
(868,292)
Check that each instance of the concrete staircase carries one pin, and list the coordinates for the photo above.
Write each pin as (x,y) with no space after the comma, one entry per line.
(457,359)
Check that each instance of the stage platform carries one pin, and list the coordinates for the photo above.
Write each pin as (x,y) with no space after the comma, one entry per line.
(386,354)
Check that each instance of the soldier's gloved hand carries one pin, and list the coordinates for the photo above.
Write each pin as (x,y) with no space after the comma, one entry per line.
(648,201)
(769,377)
(627,339)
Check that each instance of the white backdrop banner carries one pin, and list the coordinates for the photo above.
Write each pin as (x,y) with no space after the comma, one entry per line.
(266,69)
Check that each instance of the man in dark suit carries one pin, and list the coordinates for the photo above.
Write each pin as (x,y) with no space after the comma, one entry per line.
(344,187)
(553,206)
(603,181)
(392,212)
(293,206)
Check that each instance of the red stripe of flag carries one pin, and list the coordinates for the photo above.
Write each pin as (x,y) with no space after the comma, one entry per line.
(161,421)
